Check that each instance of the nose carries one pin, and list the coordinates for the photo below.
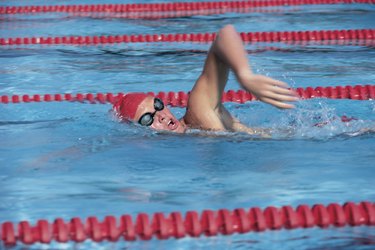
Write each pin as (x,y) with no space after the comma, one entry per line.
(161,116)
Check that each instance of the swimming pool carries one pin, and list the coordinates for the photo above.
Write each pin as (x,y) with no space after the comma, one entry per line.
(68,159)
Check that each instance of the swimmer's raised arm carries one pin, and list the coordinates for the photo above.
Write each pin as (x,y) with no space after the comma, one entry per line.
(227,52)
(229,48)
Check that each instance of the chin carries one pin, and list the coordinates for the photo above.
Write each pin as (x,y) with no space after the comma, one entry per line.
(180,130)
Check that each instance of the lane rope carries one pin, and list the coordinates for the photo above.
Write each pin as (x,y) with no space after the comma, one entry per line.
(208,223)
(179,99)
(272,36)
(226,6)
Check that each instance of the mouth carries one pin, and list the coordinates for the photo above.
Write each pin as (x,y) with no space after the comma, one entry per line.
(172,125)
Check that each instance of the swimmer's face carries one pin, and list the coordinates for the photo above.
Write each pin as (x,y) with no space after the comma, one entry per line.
(152,112)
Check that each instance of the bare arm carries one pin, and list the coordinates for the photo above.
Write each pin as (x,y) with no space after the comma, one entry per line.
(229,48)
(227,52)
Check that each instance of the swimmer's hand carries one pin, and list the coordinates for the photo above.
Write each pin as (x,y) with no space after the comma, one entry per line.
(261,132)
(264,133)
(268,90)
(237,126)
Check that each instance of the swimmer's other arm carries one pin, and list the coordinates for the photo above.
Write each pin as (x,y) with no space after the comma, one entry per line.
(239,127)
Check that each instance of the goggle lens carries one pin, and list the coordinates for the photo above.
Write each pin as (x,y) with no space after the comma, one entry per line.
(148,118)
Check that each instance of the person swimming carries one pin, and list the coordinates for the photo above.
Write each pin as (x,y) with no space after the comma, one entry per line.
(204,108)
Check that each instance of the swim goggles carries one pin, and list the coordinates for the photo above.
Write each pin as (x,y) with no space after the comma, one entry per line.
(148,118)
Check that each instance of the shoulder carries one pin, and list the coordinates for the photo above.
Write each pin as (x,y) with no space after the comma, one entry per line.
(201,114)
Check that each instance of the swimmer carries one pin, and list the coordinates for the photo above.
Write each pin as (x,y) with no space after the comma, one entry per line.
(204,108)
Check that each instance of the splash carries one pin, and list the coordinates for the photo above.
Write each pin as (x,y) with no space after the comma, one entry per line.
(318,120)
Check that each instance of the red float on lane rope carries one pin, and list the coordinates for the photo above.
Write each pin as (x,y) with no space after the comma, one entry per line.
(208,223)
(252,37)
(227,6)
(179,99)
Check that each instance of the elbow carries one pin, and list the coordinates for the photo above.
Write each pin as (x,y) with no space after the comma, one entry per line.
(225,33)
(227,29)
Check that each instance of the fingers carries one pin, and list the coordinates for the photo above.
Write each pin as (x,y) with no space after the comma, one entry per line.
(275,92)
(279,100)
(283,91)
(278,83)
(288,97)
(278,104)
(278,86)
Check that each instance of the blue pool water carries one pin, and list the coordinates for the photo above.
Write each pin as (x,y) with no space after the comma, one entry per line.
(73,159)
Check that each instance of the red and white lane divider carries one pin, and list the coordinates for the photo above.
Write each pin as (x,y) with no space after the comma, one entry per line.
(170,7)
(194,224)
(277,36)
(179,99)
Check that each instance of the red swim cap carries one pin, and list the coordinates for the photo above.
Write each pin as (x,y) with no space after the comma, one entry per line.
(127,106)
